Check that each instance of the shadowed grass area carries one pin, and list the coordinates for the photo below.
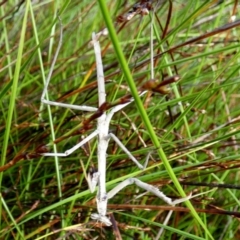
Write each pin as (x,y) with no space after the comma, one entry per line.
(192,132)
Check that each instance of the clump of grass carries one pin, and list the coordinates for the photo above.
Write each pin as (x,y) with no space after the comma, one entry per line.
(195,142)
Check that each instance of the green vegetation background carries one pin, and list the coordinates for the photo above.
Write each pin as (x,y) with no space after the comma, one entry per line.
(196,142)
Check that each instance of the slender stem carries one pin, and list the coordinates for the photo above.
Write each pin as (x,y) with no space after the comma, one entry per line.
(143,114)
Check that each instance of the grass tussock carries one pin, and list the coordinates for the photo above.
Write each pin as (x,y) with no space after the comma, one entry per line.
(191,132)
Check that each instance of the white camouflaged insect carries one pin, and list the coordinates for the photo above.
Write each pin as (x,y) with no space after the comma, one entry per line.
(103,134)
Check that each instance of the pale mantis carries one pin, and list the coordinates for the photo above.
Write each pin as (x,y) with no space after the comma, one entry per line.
(104,136)
(102,131)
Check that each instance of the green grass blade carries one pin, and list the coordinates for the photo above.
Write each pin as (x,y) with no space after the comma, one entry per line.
(145,119)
